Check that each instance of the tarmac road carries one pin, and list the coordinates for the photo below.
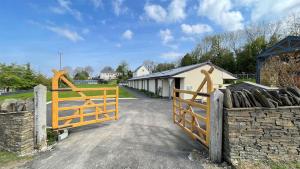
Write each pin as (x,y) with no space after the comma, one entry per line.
(144,137)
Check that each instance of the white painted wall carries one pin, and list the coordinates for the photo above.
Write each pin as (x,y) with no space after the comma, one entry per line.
(192,79)
(152,85)
(108,76)
(141,71)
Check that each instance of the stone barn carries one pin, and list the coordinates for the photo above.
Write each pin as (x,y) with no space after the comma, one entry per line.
(279,65)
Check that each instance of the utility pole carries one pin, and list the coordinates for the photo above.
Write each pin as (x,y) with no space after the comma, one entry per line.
(60,55)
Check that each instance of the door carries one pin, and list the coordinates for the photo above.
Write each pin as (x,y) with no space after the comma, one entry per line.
(177,85)
(156,86)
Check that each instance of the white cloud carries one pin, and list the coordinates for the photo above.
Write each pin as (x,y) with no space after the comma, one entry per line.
(118,45)
(195,29)
(66,33)
(118,7)
(156,12)
(171,55)
(222,13)
(166,36)
(175,11)
(65,7)
(270,9)
(127,34)
(97,3)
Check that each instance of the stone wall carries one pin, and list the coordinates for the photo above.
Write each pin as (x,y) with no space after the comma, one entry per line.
(16,127)
(261,133)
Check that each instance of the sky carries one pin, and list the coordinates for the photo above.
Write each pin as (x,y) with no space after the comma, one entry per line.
(101,33)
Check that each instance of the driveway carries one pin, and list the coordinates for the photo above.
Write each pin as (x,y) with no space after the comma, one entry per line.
(144,137)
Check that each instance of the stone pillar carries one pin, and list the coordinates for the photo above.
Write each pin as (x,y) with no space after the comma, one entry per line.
(40,115)
(216,124)
(170,87)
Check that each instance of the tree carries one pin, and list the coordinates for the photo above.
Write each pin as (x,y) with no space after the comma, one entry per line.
(20,77)
(68,70)
(186,60)
(107,69)
(123,70)
(89,70)
(246,58)
(83,75)
(150,65)
(164,66)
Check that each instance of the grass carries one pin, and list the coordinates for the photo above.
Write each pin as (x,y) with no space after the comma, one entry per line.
(8,157)
(52,136)
(285,165)
(268,164)
(243,80)
(122,93)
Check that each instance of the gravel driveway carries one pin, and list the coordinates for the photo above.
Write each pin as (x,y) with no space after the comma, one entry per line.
(143,137)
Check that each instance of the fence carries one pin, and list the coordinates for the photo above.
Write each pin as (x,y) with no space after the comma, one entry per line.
(245,76)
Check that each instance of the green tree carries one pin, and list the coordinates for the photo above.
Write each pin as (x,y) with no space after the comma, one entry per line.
(246,58)
(164,66)
(187,60)
(82,75)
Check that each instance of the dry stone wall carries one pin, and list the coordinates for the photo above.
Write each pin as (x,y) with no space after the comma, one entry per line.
(261,133)
(16,126)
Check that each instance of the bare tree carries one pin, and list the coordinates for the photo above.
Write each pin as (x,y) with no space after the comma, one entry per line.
(68,70)
(77,70)
(89,70)
(150,65)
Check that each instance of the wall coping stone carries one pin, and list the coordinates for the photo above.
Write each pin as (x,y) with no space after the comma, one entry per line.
(18,112)
(262,108)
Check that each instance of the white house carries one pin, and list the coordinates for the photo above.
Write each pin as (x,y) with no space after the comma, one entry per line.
(186,78)
(141,71)
(108,75)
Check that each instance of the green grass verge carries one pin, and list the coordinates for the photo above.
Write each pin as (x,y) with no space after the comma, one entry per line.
(122,93)
(284,165)
(8,157)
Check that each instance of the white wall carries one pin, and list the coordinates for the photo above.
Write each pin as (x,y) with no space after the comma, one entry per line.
(192,79)
(142,71)
(152,85)
(166,88)
(108,76)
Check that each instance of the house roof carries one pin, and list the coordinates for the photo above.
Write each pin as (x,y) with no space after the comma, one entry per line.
(286,45)
(176,71)
(140,67)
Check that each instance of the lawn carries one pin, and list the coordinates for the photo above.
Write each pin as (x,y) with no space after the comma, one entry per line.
(122,93)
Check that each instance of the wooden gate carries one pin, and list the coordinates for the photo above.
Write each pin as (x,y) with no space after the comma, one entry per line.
(193,115)
(86,108)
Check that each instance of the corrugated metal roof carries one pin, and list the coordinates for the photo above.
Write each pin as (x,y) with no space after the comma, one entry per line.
(173,72)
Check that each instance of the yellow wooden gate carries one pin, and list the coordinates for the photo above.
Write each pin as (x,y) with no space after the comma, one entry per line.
(91,109)
(192,115)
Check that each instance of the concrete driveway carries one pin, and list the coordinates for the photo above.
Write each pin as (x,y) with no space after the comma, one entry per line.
(143,137)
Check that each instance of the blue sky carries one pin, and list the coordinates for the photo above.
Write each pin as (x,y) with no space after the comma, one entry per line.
(105,32)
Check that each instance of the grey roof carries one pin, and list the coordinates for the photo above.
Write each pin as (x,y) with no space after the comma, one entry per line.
(176,71)
(286,45)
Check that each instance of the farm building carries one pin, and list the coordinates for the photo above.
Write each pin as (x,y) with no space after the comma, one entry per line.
(186,78)
(141,71)
(279,65)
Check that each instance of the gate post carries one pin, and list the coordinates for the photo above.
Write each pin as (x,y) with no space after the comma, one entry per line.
(40,111)
(216,123)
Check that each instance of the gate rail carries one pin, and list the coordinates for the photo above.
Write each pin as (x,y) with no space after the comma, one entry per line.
(195,123)
(61,119)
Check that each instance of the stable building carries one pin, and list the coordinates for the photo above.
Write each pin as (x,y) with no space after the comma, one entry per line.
(185,78)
